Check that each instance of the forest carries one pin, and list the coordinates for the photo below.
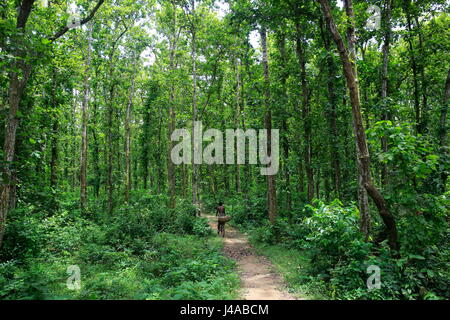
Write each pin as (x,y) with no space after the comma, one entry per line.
(117,121)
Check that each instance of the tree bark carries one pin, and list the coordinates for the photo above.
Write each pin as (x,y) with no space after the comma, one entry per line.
(301,56)
(443,132)
(128,136)
(384,81)
(237,113)
(352,83)
(332,111)
(110,128)
(84,122)
(285,142)
(54,137)
(271,181)
(171,109)
(423,79)
(412,57)
(195,148)
(96,149)
(19,75)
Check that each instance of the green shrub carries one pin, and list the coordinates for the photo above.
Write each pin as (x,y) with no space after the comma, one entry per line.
(142,251)
(24,234)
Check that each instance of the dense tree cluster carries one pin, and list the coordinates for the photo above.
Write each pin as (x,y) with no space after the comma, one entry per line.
(362,108)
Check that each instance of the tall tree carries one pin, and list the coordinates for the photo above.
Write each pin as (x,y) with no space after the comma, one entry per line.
(352,83)
(18,78)
(84,123)
(271,179)
(306,106)
(128,132)
(385,77)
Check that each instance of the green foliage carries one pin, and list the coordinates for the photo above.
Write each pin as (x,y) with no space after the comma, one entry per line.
(139,248)
(338,257)
(25,234)
(244,211)
(143,251)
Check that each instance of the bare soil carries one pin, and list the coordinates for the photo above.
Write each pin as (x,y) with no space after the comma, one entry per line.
(259,280)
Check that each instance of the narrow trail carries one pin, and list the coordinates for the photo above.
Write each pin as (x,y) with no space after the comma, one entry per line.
(259,279)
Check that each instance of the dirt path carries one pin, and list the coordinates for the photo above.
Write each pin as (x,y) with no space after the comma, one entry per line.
(258,277)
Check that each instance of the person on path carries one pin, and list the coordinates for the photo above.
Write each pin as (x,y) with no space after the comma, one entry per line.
(220,212)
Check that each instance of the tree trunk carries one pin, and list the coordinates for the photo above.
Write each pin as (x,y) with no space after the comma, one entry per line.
(443,132)
(109,143)
(384,81)
(54,136)
(128,136)
(363,200)
(301,56)
(413,62)
(96,149)
(170,165)
(285,141)
(171,109)
(84,122)
(423,79)
(237,113)
(271,181)
(145,144)
(18,79)
(332,111)
(195,147)
(352,83)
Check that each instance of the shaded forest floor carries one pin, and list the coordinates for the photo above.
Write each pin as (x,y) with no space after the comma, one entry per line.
(259,280)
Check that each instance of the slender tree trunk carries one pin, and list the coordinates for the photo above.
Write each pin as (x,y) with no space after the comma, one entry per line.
(384,81)
(84,122)
(74,144)
(128,136)
(54,137)
(361,140)
(96,148)
(363,199)
(287,175)
(170,165)
(237,113)
(110,135)
(271,179)
(195,146)
(135,173)
(301,55)
(332,110)
(171,109)
(96,160)
(443,132)
(161,183)
(423,79)
(109,143)
(285,141)
(301,179)
(414,67)
(146,145)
